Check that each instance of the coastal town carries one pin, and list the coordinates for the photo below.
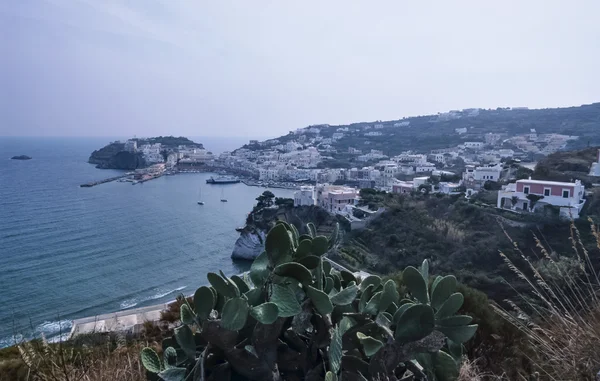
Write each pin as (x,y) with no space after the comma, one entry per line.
(319,162)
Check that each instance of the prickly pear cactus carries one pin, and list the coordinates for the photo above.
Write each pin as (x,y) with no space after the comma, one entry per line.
(295,316)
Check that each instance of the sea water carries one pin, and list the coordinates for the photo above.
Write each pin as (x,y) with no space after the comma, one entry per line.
(68,252)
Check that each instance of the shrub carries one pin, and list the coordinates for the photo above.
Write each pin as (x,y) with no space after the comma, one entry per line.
(296,317)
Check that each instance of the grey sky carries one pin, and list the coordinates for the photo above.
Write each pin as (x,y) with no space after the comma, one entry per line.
(262,68)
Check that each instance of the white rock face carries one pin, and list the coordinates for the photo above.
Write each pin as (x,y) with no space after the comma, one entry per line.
(249,245)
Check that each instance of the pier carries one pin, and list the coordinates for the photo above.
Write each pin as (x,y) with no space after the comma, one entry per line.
(94,183)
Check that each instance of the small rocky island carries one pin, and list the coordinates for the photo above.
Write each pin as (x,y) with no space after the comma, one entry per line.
(139,152)
(21,157)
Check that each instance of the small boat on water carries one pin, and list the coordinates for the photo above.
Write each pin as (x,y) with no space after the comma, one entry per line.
(223,199)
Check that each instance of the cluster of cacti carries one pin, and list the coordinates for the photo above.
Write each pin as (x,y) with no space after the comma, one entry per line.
(295,317)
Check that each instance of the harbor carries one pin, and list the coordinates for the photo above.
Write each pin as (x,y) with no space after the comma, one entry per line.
(110,179)
(139,176)
(158,170)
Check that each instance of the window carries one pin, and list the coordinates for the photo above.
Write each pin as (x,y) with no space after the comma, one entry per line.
(526,190)
(546,191)
(566,193)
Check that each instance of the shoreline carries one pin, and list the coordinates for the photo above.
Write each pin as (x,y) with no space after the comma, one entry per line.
(133,319)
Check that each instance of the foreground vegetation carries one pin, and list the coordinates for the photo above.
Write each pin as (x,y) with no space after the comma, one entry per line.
(296,317)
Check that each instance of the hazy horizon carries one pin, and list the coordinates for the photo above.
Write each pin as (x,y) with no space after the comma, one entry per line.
(260,69)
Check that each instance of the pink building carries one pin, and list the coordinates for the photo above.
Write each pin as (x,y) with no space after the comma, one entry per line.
(335,198)
(403,187)
(529,195)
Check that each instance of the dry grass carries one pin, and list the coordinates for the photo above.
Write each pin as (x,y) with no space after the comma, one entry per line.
(448,229)
(121,364)
(564,328)
(114,359)
(469,371)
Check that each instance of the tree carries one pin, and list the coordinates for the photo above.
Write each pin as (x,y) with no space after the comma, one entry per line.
(165,154)
(533,198)
(265,199)
(491,185)
(514,200)
(282,201)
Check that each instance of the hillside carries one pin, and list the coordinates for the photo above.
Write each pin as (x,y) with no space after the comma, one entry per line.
(169,142)
(113,156)
(459,236)
(567,165)
(430,132)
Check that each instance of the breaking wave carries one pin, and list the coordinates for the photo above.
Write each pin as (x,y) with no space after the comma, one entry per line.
(129,303)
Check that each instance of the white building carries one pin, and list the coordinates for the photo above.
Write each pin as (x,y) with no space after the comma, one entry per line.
(568,197)
(151,153)
(595,170)
(374,133)
(425,167)
(533,135)
(449,188)
(439,157)
(373,155)
(474,145)
(268,174)
(337,135)
(198,155)
(131,145)
(291,146)
(402,124)
(305,196)
(418,181)
(483,173)
(491,138)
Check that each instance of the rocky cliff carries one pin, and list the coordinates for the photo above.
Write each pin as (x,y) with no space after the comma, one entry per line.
(113,156)
(251,241)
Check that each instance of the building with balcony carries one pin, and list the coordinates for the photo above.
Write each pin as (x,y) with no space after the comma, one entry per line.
(531,195)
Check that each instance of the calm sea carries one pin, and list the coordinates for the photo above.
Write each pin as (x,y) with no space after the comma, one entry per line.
(68,252)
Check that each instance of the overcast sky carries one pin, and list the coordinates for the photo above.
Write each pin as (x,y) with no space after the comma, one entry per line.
(262,68)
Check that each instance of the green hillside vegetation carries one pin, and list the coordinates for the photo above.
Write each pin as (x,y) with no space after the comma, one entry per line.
(429,132)
(567,166)
(459,236)
(169,141)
